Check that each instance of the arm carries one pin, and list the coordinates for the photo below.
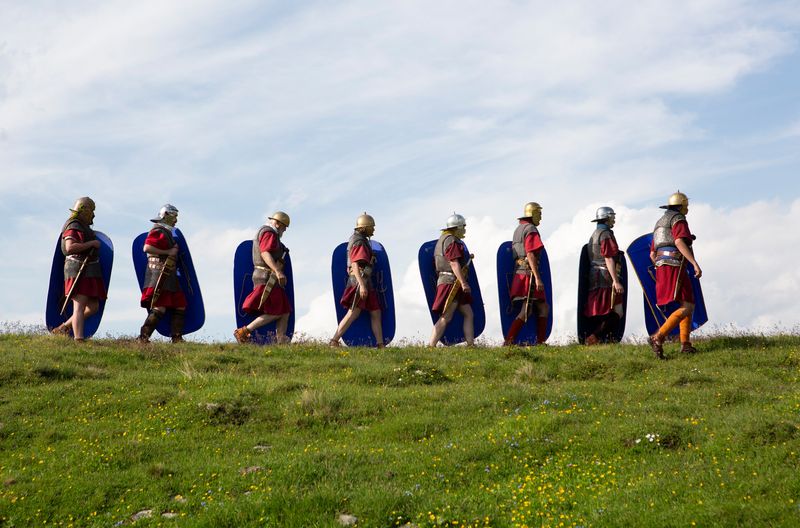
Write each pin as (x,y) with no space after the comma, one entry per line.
(362,284)
(460,276)
(275,266)
(153,250)
(533,262)
(611,266)
(688,254)
(74,246)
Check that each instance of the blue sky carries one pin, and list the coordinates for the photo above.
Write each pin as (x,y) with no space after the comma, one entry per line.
(409,110)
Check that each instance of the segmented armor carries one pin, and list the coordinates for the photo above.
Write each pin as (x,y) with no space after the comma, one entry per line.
(358,239)
(73,262)
(518,245)
(599,276)
(261,271)
(446,275)
(667,253)
(155,263)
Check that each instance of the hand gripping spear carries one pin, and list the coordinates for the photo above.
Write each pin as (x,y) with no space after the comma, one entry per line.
(454,291)
(75,282)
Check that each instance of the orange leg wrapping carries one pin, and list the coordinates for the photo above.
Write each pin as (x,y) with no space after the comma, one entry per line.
(686,328)
(669,325)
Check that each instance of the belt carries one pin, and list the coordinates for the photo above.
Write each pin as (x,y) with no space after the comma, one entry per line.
(79,259)
(668,253)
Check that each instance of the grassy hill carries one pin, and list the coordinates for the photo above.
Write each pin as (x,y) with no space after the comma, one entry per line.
(109,433)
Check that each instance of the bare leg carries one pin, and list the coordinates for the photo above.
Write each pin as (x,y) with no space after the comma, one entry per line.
(79,308)
(280,329)
(345,323)
(469,323)
(377,327)
(441,324)
(261,320)
(521,315)
(89,310)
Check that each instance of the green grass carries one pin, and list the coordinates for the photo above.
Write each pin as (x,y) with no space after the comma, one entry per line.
(294,436)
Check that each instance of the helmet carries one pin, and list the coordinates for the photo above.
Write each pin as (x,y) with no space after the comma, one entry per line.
(82,204)
(530,209)
(365,220)
(281,217)
(677,198)
(165,211)
(456,220)
(603,213)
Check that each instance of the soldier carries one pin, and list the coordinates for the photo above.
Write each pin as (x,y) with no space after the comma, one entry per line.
(268,300)
(605,289)
(671,248)
(161,291)
(527,244)
(80,245)
(451,261)
(360,292)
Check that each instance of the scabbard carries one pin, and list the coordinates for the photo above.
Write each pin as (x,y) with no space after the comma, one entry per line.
(165,272)
(271,281)
(528,297)
(679,279)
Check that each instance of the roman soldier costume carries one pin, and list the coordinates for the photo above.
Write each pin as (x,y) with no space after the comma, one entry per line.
(360,264)
(602,301)
(83,275)
(359,251)
(160,290)
(670,263)
(268,300)
(672,278)
(90,282)
(276,302)
(526,240)
(449,248)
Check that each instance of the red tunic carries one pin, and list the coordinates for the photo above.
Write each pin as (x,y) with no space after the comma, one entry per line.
(667,276)
(522,281)
(277,302)
(455,252)
(92,287)
(363,255)
(599,301)
(166,298)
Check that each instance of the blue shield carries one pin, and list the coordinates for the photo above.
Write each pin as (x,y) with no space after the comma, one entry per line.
(506,265)
(585,324)
(243,285)
(187,278)
(455,330)
(56,294)
(360,331)
(654,316)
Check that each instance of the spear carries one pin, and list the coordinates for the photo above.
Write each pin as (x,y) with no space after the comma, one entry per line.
(77,278)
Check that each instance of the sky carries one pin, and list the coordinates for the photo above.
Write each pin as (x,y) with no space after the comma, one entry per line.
(408,110)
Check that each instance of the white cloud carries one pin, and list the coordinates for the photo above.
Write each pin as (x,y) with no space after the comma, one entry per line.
(408,109)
